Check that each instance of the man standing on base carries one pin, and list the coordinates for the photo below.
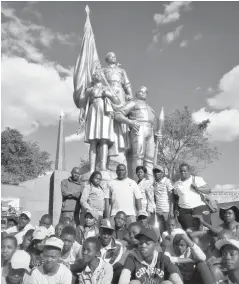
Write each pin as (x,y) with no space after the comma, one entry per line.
(71,190)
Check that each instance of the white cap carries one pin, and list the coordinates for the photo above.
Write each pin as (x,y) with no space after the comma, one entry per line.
(142,213)
(54,242)
(27,213)
(21,260)
(221,243)
(40,233)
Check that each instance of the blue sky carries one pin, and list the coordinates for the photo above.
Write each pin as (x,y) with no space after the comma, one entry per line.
(186,53)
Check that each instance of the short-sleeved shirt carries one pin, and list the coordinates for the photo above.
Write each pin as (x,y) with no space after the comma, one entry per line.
(156,272)
(62,276)
(162,190)
(123,194)
(74,254)
(188,198)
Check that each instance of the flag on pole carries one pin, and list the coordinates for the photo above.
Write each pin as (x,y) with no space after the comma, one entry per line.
(86,64)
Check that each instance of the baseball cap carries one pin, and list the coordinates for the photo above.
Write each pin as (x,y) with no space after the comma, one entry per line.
(21,260)
(105,223)
(40,233)
(142,213)
(27,213)
(158,167)
(221,243)
(54,242)
(149,233)
(93,213)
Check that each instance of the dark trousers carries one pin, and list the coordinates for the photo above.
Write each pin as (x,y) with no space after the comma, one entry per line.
(187,221)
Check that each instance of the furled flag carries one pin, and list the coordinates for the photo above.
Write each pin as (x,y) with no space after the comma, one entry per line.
(87,62)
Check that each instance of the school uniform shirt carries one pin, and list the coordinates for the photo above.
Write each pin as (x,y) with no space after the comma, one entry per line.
(188,198)
(123,194)
(103,274)
(62,276)
(135,268)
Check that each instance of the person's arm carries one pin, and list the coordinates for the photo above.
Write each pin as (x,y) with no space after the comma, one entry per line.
(138,197)
(197,253)
(129,267)
(214,230)
(127,86)
(107,202)
(138,204)
(84,198)
(199,185)
(112,97)
(172,271)
(64,191)
(150,198)
(67,277)
(175,278)
(170,196)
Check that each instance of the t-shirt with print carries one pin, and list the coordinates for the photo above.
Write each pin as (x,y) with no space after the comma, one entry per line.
(62,276)
(159,270)
(188,198)
(122,194)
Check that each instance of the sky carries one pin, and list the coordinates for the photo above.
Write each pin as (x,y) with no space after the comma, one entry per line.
(186,53)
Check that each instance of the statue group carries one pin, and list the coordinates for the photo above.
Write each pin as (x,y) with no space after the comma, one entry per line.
(119,127)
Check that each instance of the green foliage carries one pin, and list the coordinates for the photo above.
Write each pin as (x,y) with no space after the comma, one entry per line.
(21,160)
(185,141)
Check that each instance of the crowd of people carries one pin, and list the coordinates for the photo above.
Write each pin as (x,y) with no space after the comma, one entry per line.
(123,231)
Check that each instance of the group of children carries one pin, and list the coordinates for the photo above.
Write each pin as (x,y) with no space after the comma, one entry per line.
(103,253)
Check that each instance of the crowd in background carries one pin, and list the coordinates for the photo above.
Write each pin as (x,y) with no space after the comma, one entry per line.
(123,231)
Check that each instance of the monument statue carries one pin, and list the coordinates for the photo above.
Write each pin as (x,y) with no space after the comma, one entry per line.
(99,124)
(144,124)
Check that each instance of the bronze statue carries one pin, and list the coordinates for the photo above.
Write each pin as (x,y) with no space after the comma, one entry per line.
(144,124)
(99,125)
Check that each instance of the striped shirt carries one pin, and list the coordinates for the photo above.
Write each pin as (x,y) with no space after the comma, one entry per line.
(162,193)
(147,192)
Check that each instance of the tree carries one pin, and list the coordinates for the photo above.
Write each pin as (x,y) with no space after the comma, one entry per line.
(185,141)
(21,160)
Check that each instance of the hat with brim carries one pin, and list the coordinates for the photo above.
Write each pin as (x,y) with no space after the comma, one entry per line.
(40,233)
(21,260)
(27,214)
(158,167)
(149,233)
(142,213)
(105,224)
(221,243)
(54,242)
(234,208)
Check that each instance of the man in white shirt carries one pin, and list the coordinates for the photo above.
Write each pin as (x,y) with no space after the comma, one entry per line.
(51,271)
(123,195)
(187,193)
(23,226)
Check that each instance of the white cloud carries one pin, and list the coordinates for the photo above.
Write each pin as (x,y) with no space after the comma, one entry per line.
(224,123)
(184,43)
(171,12)
(224,187)
(75,137)
(172,36)
(228,97)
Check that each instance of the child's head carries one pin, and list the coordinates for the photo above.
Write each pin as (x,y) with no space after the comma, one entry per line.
(68,236)
(9,246)
(120,219)
(39,237)
(134,229)
(27,239)
(179,245)
(91,249)
(143,218)
(106,232)
(46,221)
(58,230)
(90,218)
(11,222)
(95,178)
(67,221)
(171,224)
(147,242)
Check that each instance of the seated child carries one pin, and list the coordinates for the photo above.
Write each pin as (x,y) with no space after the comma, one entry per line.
(146,258)
(229,251)
(46,221)
(97,270)
(71,249)
(37,245)
(89,229)
(185,254)
(58,230)
(8,248)
(19,266)
(167,236)
(120,232)
(27,239)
